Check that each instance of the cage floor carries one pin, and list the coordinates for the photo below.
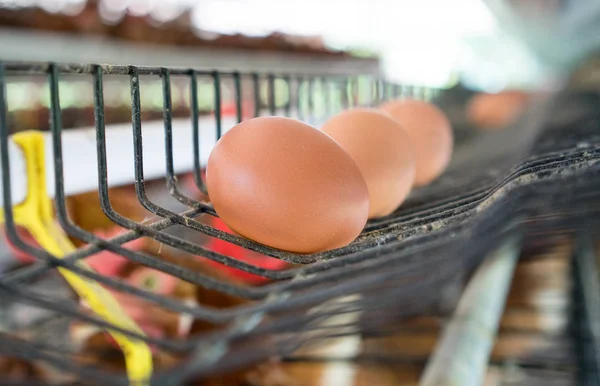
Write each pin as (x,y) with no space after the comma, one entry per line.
(534,345)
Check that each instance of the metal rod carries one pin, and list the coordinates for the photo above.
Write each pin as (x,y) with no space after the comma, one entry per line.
(271,94)
(586,264)
(299,85)
(309,100)
(256,89)
(288,105)
(195,114)
(238,96)
(462,355)
(218,116)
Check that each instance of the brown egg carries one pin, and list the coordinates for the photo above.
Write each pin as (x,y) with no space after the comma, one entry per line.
(285,184)
(431,135)
(496,111)
(383,152)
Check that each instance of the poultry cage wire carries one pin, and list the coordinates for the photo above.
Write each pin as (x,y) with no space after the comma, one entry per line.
(542,184)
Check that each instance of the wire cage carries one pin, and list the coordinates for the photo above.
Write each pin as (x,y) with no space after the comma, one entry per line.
(537,179)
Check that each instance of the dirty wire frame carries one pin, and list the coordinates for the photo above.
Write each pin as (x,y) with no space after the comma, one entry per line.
(11,281)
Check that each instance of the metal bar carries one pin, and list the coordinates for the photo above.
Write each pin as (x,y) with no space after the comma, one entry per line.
(299,84)
(218,116)
(171,178)
(168,123)
(288,106)
(237,84)
(8,214)
(344,94)
(310,100)
(326,92)
(462,354)
(271,97)
(195,115)
(256,89)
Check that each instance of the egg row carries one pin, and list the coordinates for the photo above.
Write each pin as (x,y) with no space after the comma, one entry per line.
(288,185)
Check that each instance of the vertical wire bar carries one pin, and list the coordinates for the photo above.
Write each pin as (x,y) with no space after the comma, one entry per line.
(218,116)
(168,125)
(256,89)
(138,151)
(288,105)
(136,122)
(343,90)
(374,92)
(171,179)
(6,180)
(56,131)
(368,93)
(10,227)
(355,89)
(310,100)
(361,91)
(101,141)
(237,85)
(350,89)
(299,82)
(271,94)
(344,93)
(195,114)
(326,96)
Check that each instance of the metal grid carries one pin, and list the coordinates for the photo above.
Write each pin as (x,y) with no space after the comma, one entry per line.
(400,262)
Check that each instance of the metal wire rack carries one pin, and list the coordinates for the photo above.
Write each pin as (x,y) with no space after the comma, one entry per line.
(547,180)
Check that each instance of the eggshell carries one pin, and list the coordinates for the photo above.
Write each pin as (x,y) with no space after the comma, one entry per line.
(431,135)
(496,111)
(383,152)
(285,184)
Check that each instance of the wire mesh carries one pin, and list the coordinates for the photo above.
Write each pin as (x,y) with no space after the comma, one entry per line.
(546,170)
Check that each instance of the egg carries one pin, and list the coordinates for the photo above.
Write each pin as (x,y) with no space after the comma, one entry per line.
(431,135)
(383,152)
(495,111)
(287,185)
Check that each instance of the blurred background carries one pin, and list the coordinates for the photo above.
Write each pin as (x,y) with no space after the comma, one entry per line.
(466,46)
(429,42)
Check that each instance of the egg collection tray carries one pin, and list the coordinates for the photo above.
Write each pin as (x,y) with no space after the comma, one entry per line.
(539,178)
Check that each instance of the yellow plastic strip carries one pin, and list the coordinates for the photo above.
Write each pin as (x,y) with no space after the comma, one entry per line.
(36,215)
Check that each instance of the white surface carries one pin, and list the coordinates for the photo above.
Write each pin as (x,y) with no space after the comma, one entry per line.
(80,163)
(80,157)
